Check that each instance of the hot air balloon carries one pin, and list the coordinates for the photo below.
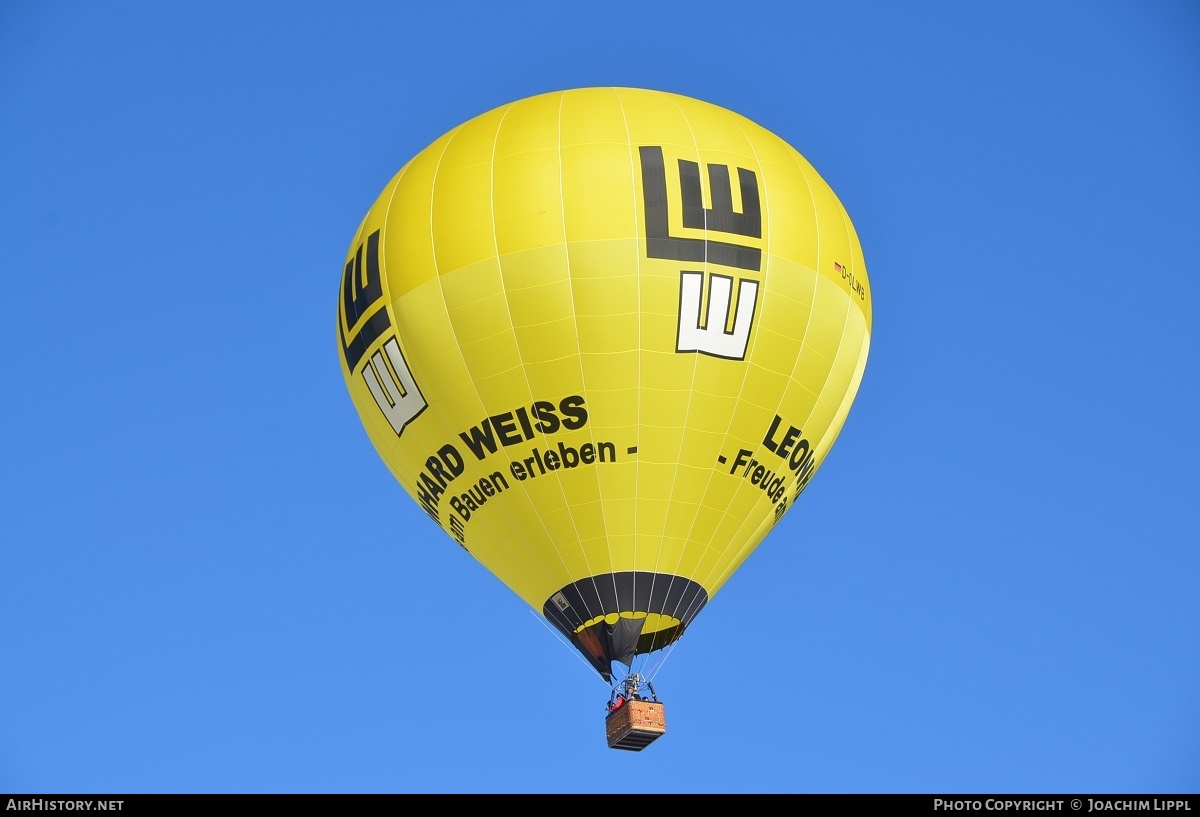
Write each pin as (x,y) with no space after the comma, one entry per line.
(604,337)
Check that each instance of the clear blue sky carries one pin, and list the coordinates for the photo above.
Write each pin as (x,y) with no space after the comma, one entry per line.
(209,582)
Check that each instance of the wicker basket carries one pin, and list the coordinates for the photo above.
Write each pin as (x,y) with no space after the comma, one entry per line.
(635,725)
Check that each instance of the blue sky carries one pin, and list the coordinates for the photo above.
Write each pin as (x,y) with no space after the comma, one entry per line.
(210,582)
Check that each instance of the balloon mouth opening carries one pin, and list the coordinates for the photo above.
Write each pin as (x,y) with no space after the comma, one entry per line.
(618,616)
(654,631)
(651,622)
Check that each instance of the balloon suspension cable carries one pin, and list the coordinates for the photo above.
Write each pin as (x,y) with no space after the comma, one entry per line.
(648,665)
(645,665)
(641,671)
(562,640)
(631,689)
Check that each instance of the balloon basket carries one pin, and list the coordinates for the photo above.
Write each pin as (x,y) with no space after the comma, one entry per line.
(635,725)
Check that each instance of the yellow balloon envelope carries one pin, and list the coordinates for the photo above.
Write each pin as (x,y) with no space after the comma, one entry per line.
(604,338)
